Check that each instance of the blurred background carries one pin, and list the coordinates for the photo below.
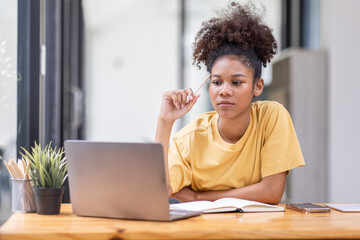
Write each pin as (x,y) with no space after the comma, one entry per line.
(96,70)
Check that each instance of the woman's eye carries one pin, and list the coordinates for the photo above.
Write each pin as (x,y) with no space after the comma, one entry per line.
(216,82)
(237,82)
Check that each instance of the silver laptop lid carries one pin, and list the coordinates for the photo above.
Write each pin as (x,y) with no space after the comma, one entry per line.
(117,180)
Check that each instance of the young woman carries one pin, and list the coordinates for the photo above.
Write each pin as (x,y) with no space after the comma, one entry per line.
(242,149)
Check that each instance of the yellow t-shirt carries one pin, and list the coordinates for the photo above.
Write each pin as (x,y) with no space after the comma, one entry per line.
(200,158)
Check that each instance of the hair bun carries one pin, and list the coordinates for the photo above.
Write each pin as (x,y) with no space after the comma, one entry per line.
(237,25)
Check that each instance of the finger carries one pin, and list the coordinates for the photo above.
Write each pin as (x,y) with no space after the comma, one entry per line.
(190,94)
(179,97)
(191,103)
(196,96)
(174,97)
(167,95)
(184,96)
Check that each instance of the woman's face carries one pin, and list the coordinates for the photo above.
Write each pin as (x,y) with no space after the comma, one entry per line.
(231,88)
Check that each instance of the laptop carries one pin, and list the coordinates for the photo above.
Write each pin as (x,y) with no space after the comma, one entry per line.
(119,180)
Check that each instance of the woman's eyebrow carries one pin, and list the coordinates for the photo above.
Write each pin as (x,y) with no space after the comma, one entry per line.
(215,75)
(233,75)
(238,75)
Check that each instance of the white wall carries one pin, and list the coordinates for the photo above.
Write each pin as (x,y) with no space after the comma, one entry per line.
(131,59)
(341,39)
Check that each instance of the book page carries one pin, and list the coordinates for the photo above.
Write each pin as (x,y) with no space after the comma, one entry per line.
(345,207)
(247,205)
(193,206)
(226,204)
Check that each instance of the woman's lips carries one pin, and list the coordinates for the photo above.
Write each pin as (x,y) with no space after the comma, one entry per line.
(226,103)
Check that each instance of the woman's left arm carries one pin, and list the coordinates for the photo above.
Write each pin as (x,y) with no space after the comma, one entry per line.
(269,190)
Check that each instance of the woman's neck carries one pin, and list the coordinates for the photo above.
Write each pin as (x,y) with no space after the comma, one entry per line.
(231,130)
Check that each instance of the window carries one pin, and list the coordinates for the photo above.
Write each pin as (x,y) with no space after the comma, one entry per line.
(8,95)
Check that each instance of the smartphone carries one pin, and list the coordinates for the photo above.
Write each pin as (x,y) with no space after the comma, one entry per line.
(307,207)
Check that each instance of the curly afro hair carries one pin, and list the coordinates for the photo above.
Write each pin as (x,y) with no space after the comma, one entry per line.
(238,31)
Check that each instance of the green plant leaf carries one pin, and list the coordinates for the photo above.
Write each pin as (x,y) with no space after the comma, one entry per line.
(48,166)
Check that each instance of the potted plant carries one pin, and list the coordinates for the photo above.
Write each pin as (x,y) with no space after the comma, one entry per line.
(48,171)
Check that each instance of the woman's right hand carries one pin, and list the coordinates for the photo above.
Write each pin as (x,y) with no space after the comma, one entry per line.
(177,103)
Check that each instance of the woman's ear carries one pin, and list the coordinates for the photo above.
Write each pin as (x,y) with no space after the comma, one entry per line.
(258,87)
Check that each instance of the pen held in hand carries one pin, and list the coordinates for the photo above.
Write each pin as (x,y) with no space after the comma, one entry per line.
(202,84)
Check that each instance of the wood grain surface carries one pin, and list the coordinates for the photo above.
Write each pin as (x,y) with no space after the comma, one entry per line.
(278,225)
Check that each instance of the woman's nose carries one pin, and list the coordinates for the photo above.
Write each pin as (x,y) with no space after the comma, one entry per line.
(225,91)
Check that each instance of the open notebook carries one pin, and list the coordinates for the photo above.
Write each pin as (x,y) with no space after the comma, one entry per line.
(226,205)
(345,207)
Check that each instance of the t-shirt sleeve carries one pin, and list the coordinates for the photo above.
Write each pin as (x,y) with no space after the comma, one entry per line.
(281,150)
(180,173)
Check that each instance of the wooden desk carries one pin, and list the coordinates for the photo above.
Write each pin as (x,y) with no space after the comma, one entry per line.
(289,224)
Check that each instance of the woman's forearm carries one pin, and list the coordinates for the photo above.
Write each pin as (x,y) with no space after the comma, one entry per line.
(163,132)
(269,190)
(174,105)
